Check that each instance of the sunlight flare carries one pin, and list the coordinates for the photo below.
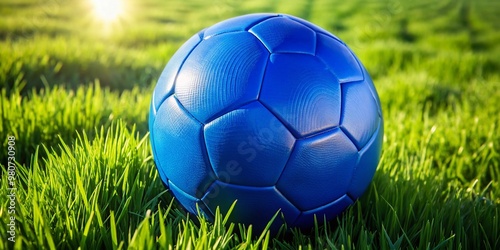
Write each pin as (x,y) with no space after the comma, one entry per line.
(107,10)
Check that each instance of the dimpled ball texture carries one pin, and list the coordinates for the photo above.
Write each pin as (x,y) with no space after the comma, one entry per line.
(269,110)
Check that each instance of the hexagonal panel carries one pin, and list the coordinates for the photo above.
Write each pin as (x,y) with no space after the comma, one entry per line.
(319,170)
(283,35)
(252,203)
(368,161)
(248,146)
(360,113)
(302,93)
(239,23)
(328,211)
(339,59)
(165,85)
(221,73)
(180,149)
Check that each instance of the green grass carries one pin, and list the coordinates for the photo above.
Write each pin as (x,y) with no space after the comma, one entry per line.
(75,94)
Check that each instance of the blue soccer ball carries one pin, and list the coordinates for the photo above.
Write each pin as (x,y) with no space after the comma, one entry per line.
(269,110)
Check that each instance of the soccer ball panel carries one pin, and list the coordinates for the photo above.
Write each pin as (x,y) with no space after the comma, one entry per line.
(339,59)
(190,203)
(251,203)
(302,93)
(373,91)
(165,85)
(292,37)
(220,74)
(367,163)
(360,117)
(328,211)
(248,146)
(318,168)
(151,120)
(312,26)
(240,23)
(179,145)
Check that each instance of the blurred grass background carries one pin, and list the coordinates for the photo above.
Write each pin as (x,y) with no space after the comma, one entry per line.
(75,92)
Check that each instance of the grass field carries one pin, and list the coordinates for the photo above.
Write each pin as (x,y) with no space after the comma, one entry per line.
(75,93)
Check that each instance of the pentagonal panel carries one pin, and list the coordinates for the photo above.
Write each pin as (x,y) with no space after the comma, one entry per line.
(302,93)
(165,85)
(221,73)
(328,211)
(339,59)
(248,146)
(179,146)
(319,170)
(360,113)
(369,158)
(255,205)
(240,23)
(282,35)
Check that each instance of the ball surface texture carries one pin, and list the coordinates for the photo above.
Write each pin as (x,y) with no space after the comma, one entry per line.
(269,110)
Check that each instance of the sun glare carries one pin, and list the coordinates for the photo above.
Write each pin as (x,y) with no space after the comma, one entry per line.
(107,10)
